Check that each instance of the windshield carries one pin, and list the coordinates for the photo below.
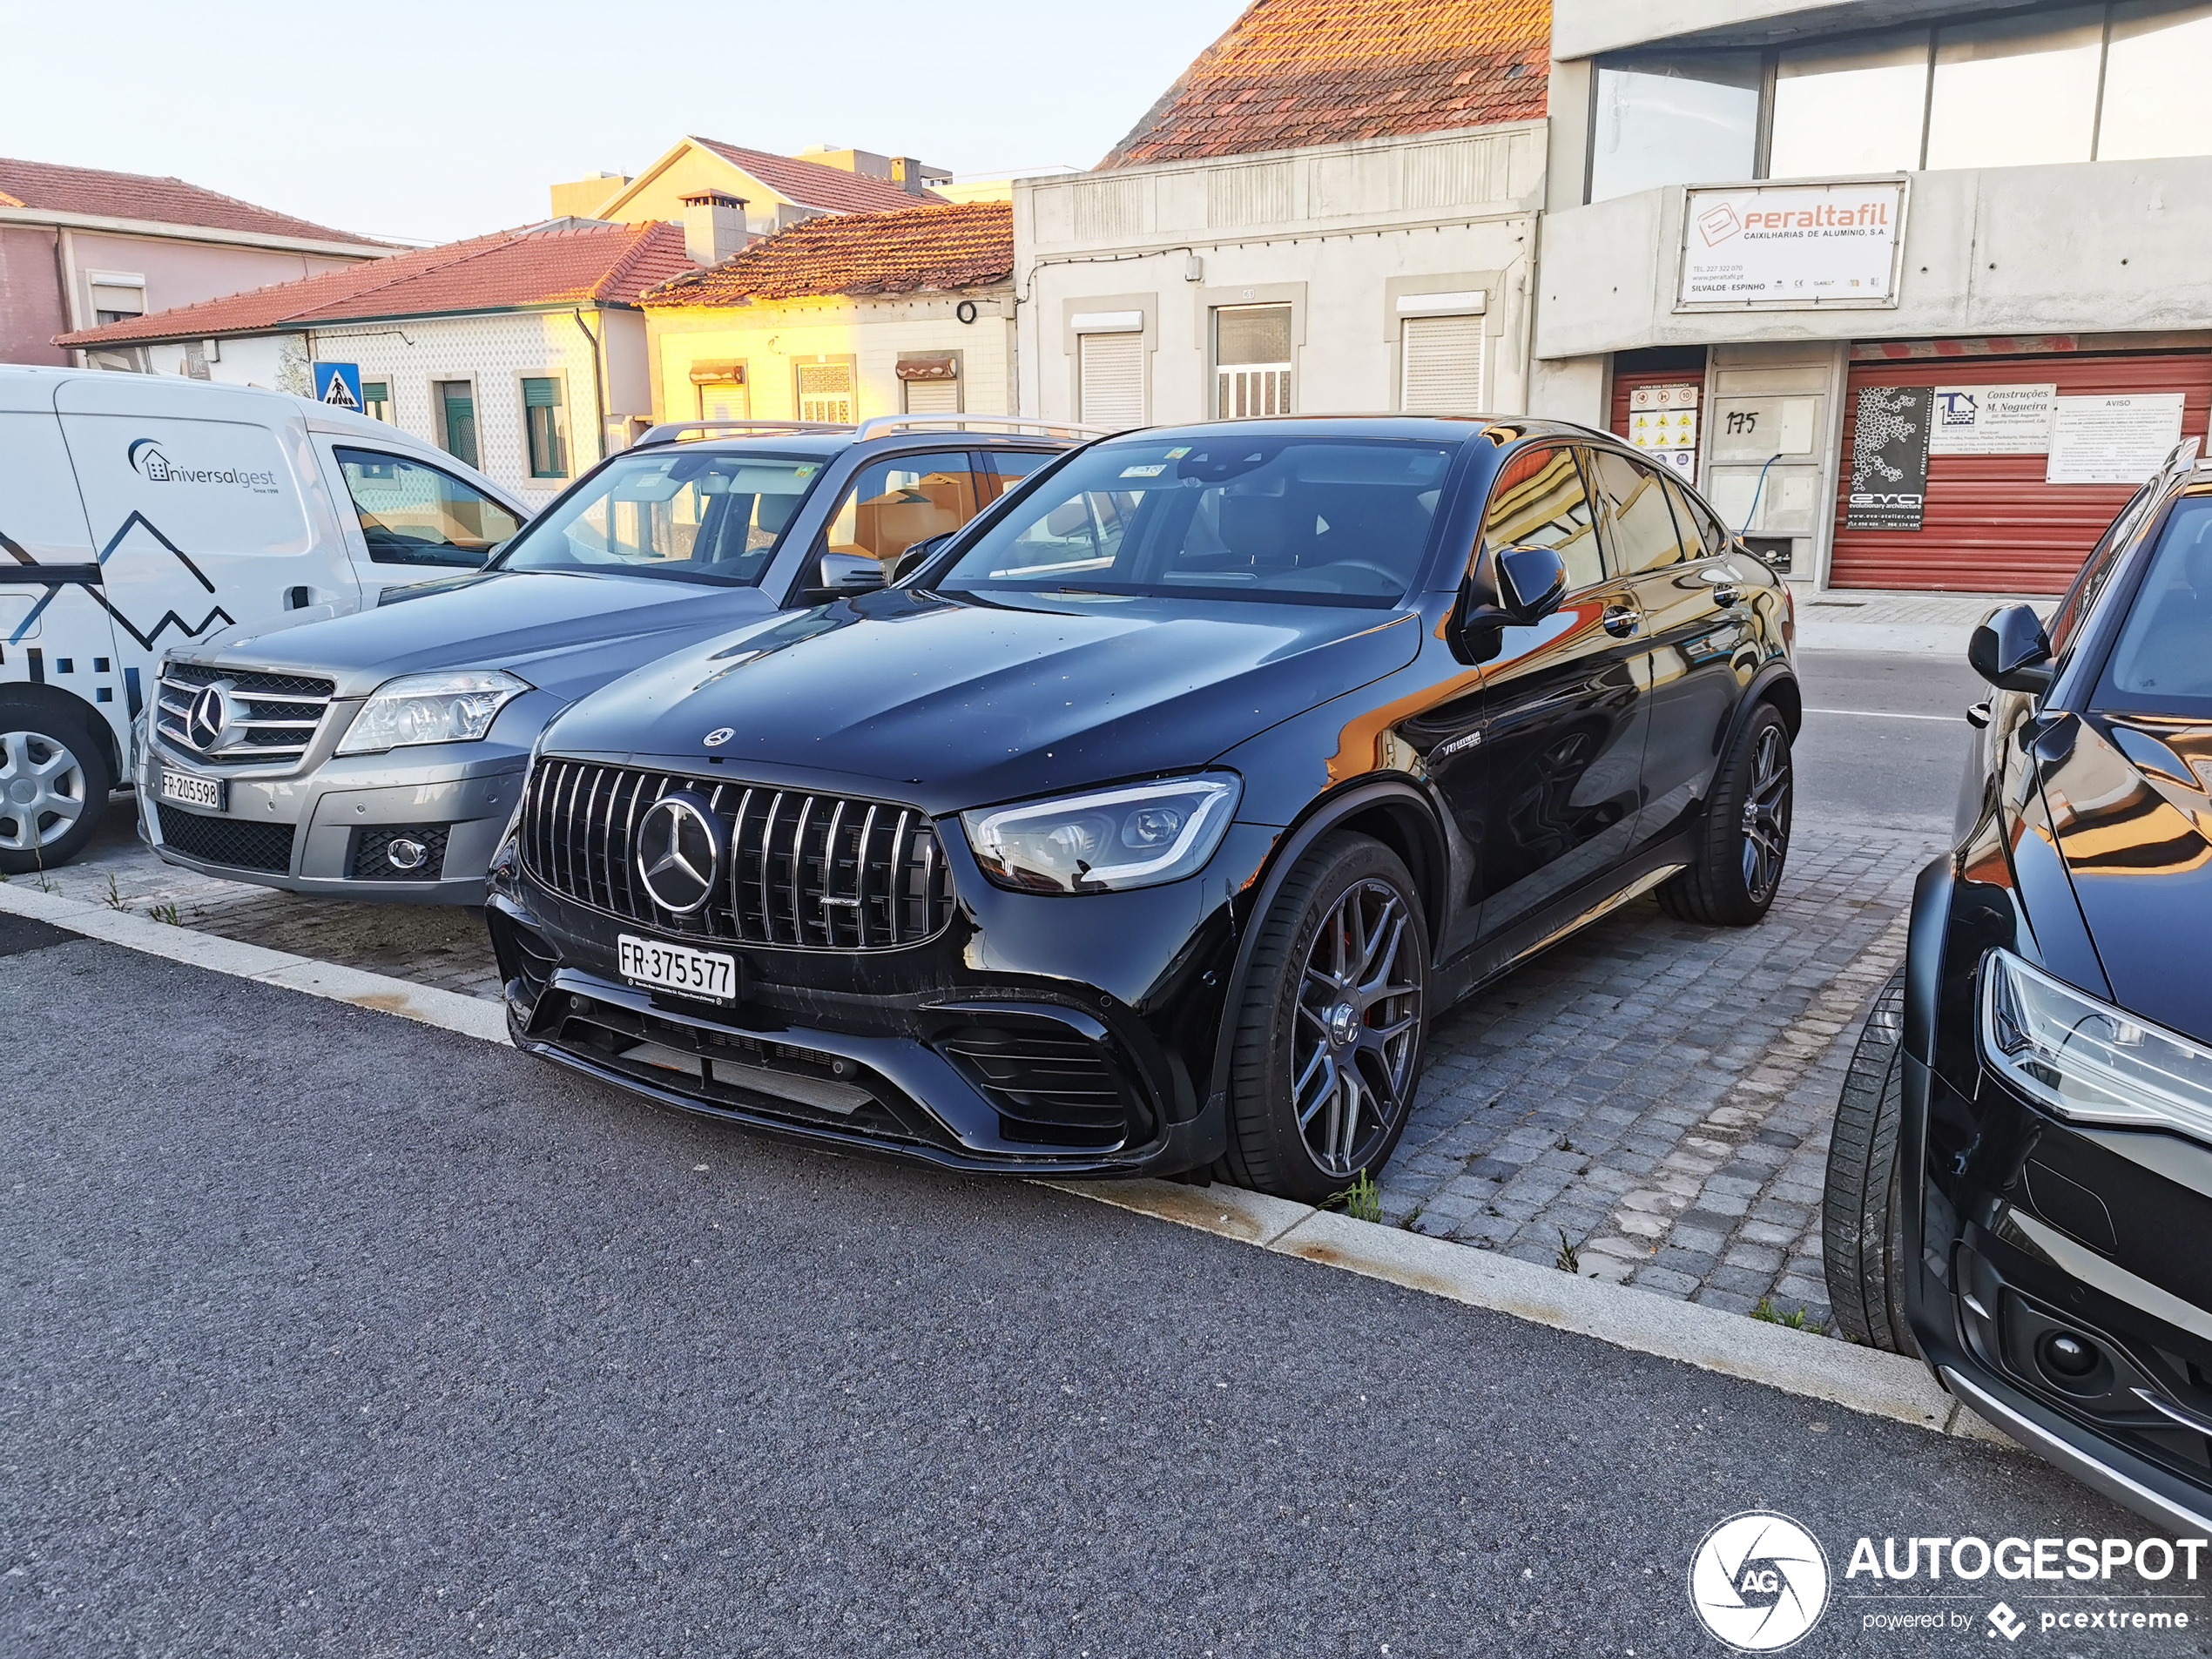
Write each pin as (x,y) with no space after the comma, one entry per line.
(697,516)
(2163,662)
(1311,520)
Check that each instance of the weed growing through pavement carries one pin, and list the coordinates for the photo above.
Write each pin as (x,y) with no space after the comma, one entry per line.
(1773,1315)
(165,912)
(1412,1223)
(1362,1200)
(114,899)
(1569,1260)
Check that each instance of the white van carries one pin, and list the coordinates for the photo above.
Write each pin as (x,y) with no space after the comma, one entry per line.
(138,513)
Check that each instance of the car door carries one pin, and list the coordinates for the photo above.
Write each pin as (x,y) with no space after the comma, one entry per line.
(410,520)
(1549,795)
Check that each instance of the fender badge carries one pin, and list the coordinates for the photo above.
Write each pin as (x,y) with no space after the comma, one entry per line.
(720,735)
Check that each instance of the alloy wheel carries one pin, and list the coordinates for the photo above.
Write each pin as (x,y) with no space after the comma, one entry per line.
(42,791)
(1357,1032)
(1766,814)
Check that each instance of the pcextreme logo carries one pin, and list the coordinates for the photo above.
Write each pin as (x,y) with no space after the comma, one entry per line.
(1759,1581)
(149,462)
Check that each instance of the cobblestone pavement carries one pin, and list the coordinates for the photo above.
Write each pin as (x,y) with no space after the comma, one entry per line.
(1649,1099)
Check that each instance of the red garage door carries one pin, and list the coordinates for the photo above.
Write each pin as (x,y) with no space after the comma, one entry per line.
(1990,524)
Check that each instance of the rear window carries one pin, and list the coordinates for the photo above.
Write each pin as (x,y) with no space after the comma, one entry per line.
(2162,662)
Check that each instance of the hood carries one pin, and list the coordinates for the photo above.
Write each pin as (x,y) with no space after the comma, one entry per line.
(2132,821)
(954,704)
(567,634)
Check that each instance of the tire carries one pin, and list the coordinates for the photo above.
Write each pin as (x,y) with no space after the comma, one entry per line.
(1862,1237)
(1745,842)
(1350,1030)
(55,779)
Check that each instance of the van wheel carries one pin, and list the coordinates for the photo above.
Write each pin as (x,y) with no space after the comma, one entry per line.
(1862,1230)
(54,786)
(1744,841)
(1326,1047)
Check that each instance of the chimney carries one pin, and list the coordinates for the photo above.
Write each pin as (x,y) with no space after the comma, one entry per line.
(906,172)
(713,226)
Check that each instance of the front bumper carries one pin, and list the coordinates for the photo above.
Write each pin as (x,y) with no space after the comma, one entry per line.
(1036,1036)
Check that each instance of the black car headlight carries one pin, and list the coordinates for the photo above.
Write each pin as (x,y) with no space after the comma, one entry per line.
(2087,1061)
(1136,836)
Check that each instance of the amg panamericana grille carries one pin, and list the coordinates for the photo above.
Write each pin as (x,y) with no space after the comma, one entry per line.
(802,870)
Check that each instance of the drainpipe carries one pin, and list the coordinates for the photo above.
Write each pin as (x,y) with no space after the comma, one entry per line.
(598,380)
(66,268)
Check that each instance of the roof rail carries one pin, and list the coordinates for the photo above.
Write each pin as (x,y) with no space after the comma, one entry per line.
(875,426)
(670,431)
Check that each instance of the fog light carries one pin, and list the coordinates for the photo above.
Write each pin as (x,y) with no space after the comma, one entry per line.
(2067,1356)
(402,852)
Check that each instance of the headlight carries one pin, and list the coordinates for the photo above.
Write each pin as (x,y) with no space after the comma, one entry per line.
(2088,1061)
(430,708)
(1134,837)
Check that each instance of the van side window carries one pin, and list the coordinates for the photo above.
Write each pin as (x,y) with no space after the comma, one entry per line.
(411,514)
(1538,501)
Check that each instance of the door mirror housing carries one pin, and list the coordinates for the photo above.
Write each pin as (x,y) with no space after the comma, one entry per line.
(2011,650)
(918,555)
(1531,583)
(849,573)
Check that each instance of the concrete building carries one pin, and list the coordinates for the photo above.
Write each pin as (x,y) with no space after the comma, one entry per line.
(1917,294)
(521,353)
(80,246)
(1334,208)
(842,318)
(776,192)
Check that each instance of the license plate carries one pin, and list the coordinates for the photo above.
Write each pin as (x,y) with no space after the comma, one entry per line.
(711,975)
(189,790)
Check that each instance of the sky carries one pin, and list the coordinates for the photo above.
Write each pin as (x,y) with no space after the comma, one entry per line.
(429,121)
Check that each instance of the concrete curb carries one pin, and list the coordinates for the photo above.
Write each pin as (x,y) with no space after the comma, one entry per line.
(1860,1379)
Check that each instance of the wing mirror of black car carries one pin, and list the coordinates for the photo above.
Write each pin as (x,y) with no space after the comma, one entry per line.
(918,555)
(1531,583)
(2011,650)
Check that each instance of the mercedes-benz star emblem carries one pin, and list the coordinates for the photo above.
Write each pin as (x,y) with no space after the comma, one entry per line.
(679,852)
(720,735)
(209,713)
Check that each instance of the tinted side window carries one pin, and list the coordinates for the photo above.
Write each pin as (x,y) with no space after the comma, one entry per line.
(1701,536)
(1539,501)
(1010,466)
(411,514)
(1644,535)
(2103,559)
(897,502)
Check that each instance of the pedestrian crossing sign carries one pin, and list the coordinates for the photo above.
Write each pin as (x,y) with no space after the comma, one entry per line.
(340,384)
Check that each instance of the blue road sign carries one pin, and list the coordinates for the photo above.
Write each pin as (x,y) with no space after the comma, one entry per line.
(340,383)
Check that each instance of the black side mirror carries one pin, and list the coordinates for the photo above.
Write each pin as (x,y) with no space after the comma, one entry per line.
(1531,583)
(2011,650)
(848,573)
(918,555)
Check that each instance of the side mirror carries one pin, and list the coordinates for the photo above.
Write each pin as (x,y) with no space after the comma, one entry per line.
(1531,583)
(2011,650)
(918,555)
(844,573)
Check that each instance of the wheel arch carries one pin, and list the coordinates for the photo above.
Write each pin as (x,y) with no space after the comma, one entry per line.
(37,694)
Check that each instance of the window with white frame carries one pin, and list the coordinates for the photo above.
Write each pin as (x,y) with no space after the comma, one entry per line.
(825,391)
(1443,354)
(1251,356)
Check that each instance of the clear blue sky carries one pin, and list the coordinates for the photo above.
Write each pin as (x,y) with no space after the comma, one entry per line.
(438,118)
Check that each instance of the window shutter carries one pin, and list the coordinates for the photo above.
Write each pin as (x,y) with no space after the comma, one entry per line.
(725,401)
(932,397)
(1110,372)
(1442,361)
(541,393)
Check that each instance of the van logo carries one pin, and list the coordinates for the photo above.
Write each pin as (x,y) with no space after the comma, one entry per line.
(209,713)
(147,460)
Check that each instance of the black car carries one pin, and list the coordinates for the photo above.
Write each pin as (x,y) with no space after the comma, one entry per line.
(2019,1184)
(1149,823)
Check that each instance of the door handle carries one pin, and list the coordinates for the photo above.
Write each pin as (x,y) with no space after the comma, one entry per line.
(1620,621)
(1727,598)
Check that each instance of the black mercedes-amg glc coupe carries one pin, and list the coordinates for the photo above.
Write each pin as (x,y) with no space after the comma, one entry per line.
(1148,824)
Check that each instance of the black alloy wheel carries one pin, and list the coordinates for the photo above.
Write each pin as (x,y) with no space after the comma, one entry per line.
(1327,1047)
(1745,843)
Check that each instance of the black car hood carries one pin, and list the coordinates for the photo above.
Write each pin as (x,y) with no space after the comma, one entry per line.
(567,634)
(2129,809)
(954,704)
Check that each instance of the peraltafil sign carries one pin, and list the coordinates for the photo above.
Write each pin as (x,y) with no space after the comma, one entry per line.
(1784,247)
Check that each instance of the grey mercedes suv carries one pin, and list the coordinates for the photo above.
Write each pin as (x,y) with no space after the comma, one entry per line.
(378,755)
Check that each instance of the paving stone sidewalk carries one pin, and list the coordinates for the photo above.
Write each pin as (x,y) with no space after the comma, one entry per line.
(1649,1099)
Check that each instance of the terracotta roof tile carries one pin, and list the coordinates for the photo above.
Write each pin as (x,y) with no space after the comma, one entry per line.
(811,185)
(948,246)
(49,188)
(1292,73)
(611,264)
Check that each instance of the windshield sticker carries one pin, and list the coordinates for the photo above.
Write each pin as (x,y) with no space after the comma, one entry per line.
(1177,454)
(1144,472)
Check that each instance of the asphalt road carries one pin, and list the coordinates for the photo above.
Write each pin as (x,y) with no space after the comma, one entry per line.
(1885,738)
(324,1333)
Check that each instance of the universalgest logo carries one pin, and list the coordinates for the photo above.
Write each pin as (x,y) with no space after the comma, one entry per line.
(150,463)
(1759,1581)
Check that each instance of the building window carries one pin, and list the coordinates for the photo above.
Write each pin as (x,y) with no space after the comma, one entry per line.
(376,400)
(2015,91)
(2156,71)
(929,383)
(1110,379)
(1852,106)
(456,409)
(1251,356)
(1441,363)
(117,299)
(825,392)
(545,427)
(1675,120)
(723,392)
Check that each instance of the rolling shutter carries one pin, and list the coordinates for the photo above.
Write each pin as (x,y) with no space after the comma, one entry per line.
(725,401)
(1109,371)
(1441,364)
(1990,523)
(932,397)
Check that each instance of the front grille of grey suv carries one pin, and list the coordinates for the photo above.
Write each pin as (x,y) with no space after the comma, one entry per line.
(803,871)
(276,717)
